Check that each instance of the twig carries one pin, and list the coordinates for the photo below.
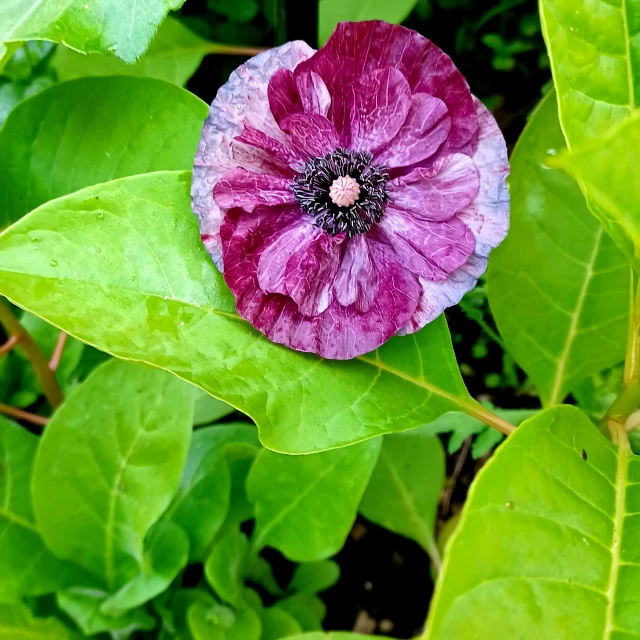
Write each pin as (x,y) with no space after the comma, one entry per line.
(19,414)
(476,410)
(37,359)
(56,356)
(446,499)
(9,345)
(234,50)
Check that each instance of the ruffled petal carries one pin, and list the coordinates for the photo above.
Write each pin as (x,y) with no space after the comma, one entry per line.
(431,250)
(284,99)
(487,217)
(357,48)
(425,129)
(241,101)
(357,281)
(370,111)
(259,140)
(339,332)
(488,214)
(437,192)
(312,133)
(314,94)
(310,273)
(246,190)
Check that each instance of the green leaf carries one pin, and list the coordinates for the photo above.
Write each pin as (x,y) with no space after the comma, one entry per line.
(277,624)
(289,490)
(313,577)
(550,527)
(83,606)
(558,286)
(166,552)
(17,623)
(203,625)
(334,11)
(595,58)
(102,26)
(209,409)
(153,295)
(108,465)
(27,567)
(261,573)
(236,10)
(92,130)
(173,55)
(607,170)
(335,635)
(240,458)
(208,482)
(405,486)
(308,610)
(227,566)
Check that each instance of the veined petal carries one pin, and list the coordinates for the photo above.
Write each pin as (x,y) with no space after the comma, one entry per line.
(260,140)
(245,190)
(357,281)
(425,129)
(438,192)
(314,94)
(370,111)
(312,133)
(284,99)
(431,250)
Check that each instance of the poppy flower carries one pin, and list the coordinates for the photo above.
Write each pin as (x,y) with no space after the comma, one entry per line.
(352,193)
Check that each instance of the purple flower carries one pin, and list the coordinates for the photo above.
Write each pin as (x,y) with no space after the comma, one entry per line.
(352,193)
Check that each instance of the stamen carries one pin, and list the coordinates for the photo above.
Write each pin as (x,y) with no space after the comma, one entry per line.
(344,191)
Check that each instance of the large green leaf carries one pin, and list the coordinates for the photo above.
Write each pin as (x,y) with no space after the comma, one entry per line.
(27,567)
(90,131)
(595,59)
(108,464)
(100,26)
(334,11)
(608,170)
(173,55)
(547,546)
(558,286)
(17,623)
(405,486)
(121,266)
(306,505)
(166,552)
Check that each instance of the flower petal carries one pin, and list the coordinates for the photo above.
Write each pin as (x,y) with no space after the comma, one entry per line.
(260,140)
(356,48)
(314,94)
(431,250)
(241,101)
(284,99)
(339,332)
(310,273)
(425,129)
(312,133)
(370,111)
(437,192)
(246,190)
(488,214)
(357,281)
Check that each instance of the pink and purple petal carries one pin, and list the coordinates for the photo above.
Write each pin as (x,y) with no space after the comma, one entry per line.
(282,152)
(357,281)
(284,99)
(312,134)
(246,190)
(425,129)
(357,48)
(241,101)
(437,192)
(314,94)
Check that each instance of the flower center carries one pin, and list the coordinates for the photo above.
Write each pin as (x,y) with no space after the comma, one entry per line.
(342,191)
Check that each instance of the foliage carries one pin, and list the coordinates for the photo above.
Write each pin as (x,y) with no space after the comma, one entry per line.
(164,491)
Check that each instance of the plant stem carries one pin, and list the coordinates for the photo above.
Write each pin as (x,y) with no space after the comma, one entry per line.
(8,346)
(632,358)
(234,50)
(23,415)
(54,363)
(476,410)
(37,359)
